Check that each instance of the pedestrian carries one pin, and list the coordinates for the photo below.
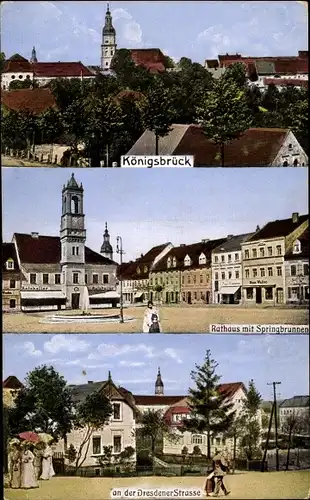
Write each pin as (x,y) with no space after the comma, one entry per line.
(151,322)
(47,469)
(28,479)
(220,468)
(37,463)
(15,455)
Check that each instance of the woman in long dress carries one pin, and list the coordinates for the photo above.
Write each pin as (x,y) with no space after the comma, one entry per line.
(46,463)
(28,478)
(15,465)
(52,472)
(37,463)
(151,319)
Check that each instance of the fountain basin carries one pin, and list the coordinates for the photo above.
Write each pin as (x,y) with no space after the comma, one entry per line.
(111,318)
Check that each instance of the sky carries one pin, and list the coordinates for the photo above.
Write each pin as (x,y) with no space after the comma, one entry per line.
(133,360)
(149,207)
(71,31)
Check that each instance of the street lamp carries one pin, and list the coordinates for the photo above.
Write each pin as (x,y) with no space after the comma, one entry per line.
(119,249)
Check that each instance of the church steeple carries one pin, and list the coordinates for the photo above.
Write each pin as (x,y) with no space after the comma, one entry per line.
(33,56)
(108,46)
(106,247)
(159,386)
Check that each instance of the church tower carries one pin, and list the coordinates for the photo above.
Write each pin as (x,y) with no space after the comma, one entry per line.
(106,247)
(159,386)
(72,240)
(108,47)
(33,56)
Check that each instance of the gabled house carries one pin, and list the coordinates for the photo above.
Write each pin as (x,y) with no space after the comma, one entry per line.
(10,388)
(297,407)
(296,265)
(11,279)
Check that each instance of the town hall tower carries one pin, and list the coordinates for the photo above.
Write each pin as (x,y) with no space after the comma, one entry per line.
(108,46)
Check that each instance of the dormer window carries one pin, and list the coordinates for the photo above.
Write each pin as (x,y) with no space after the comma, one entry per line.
(169,262)
(10,264)
(146,269)
(187,261)
(138,270)
(174,262)
(296,247)
(202,259)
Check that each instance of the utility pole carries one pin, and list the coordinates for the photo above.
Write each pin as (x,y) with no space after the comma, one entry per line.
(274,384)
(119,249)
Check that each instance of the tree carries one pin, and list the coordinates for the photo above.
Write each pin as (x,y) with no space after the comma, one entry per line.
(210,413)
(169,62)
(44,404)
(155,428)
(293,424)
(224,114)
(71,454)
(23,84)
(236,73)
(91,415)
(106,458)
(2,61)
(249,419)
(51,125)
(158,112)
(235,432)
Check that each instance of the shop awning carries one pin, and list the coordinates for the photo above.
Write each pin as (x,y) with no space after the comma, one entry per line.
(105,295)
(138,295)
(229,290)
(44,294)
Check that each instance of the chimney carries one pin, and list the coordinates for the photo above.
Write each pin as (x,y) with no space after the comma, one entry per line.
(229,236)
(182,245)
(205,240)
(295,217)
(90,381)
(35,235)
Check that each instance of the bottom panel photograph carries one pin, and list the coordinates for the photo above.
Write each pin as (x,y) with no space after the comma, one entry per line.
(110,416)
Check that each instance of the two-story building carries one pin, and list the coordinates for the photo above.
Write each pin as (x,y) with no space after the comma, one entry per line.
(263,260)
(297,270)
(11,279)
(297,407)
(227,270)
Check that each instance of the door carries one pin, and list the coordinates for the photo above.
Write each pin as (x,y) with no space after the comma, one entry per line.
(189,298)
(75,300)
(177,297)
(208,297)
(258,295)
(280,296)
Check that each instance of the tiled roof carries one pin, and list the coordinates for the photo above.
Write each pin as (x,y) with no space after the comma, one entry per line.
(34,100)
(47,250)
(283,82)
(257,147)
(194,251)
(151,59)
(278,228)
(9,252)
(270,65)
(232,243)
(18,64)
(80,392)
(61,69)
(228,390)
(142,400)
(12,382)
(129,270)
(296,402)
(304,243)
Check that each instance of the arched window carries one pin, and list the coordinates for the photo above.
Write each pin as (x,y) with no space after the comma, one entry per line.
(64,205)
(295,162)
(285,163)
(74,204)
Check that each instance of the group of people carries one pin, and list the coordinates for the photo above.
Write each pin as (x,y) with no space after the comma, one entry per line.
(215,480)
(151,323)
(29,462)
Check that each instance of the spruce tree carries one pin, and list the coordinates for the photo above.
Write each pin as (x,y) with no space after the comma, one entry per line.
(251,422)
(211,413)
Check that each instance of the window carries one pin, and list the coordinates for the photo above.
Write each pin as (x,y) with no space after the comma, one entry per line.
(105,279)
(197,439)
(75,278)
(33,279)
(290,146)
(195,295)
(96,445)
(236,256)
(218,441)
(278,249)
(254,253)
(306,269)
(201,278)
(229,275)
(246,254)
(249,293)
(202,259)
(216,276)
(262,252)
(229,257)
(138,270)
(12,303)
(145,269)
(247,273)
(222,258)
(182,280)
(57,279)
(279,271)
(254,273)
(216,259)
(20,77)
(187,261)
(86,279)
(73,250)
(293,270)
(237,275)
(10,264)
(77,250)
(296,247)
(188,278)
(270,271)
(295,162)
(95,279)
(12,284)
(285,163)
(169,262)
(269,250)
(13,77)
(269,293)
(223,276)
(194,278)
(262,272)
(116,411)
(117,444)
(45,279)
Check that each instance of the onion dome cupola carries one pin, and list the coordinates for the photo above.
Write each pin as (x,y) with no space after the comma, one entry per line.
(108,28)
(159,386)
(106,247)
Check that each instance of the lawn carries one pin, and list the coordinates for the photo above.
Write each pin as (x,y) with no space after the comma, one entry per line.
(271,485)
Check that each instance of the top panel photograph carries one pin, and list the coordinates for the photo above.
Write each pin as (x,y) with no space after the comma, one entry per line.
(154,84)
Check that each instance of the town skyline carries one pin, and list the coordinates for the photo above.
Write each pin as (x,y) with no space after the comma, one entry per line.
(71,31)
(133,360)
(196,209)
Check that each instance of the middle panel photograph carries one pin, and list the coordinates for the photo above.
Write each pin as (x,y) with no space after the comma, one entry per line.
(147,251)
